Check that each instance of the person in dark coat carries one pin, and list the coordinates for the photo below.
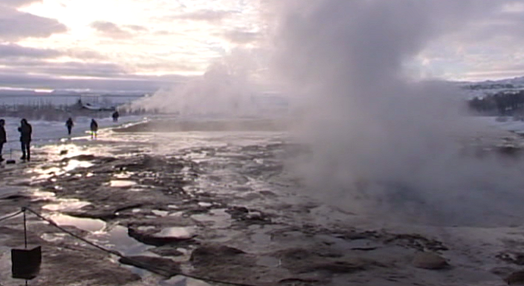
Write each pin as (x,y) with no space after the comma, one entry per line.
(25,130)
(94,128)
(115,116)
(3,138)
(69,124)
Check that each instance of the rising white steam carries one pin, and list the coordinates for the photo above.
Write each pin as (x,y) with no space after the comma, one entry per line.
(381,141)
(225,89)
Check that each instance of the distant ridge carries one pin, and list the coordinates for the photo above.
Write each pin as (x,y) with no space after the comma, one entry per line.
(488,87)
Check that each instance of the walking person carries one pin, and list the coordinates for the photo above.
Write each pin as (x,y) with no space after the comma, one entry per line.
(69,124)
(25,130)
(3,138)
(94,128)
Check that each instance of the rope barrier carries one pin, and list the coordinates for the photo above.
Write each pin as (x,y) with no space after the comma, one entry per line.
(11,216)
(72,234)
(24,209)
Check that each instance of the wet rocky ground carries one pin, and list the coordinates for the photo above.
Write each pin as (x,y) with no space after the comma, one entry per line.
(220,209)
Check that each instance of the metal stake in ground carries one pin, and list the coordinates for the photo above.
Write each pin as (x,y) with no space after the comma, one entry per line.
(26,262)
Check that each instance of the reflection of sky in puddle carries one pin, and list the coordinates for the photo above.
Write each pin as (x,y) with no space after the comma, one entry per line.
(42,195)
(178,214)
(80,223)
(219,217)
(121,183)
(53,237)
(123,175)
(160,213)
(118,239)
(146,227)
(66,204)
(73,164)
(178,232)
(183,281)
(61,150)
(45,172)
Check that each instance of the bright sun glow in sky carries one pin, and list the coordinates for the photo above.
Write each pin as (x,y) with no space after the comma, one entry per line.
(44,41)
(148,37)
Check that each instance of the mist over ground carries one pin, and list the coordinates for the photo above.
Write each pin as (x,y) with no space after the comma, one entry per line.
(382,141)
(225,89)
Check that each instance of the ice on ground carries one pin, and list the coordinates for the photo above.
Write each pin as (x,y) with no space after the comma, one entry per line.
(46,132)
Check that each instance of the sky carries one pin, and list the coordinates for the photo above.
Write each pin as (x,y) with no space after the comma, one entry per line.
(143,45)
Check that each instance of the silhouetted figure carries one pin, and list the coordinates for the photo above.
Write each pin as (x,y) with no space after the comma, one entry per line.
(94,128)
(115,116)
(69,124)
(3,138)
(25,130)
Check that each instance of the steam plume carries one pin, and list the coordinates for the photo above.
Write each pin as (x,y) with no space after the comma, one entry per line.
(382,141)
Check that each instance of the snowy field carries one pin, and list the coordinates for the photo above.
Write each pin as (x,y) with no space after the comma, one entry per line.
(49,132)
(504,123)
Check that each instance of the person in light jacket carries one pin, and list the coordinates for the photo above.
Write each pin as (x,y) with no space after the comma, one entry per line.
(94,128)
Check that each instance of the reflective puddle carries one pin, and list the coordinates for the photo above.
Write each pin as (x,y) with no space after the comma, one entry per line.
(177,232)
(183,281)
(46,173)
(160,213)
(66,205)
(122,175)
(80,223)
(117,239)
(204,204)
(73,164)
(43,194)
(121,183)
(219,218)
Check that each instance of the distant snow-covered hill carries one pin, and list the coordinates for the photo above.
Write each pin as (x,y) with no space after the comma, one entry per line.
(483,88)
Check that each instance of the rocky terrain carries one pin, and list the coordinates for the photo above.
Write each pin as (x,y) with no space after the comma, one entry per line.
(221,209)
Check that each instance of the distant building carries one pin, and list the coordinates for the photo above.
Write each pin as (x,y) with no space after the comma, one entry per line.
(96,102)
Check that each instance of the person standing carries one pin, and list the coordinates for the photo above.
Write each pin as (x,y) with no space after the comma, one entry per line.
(3,138)
(69,124)
(94,128)
(25,130)
(115,116)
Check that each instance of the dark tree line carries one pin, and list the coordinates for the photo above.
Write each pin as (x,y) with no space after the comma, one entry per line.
(502,103)
(489,86)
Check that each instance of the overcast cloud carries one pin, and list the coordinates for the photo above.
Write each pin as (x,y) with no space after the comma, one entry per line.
(18,3)
(212,16)
(157,38)
(15,25)
(15,51)
(109,29)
